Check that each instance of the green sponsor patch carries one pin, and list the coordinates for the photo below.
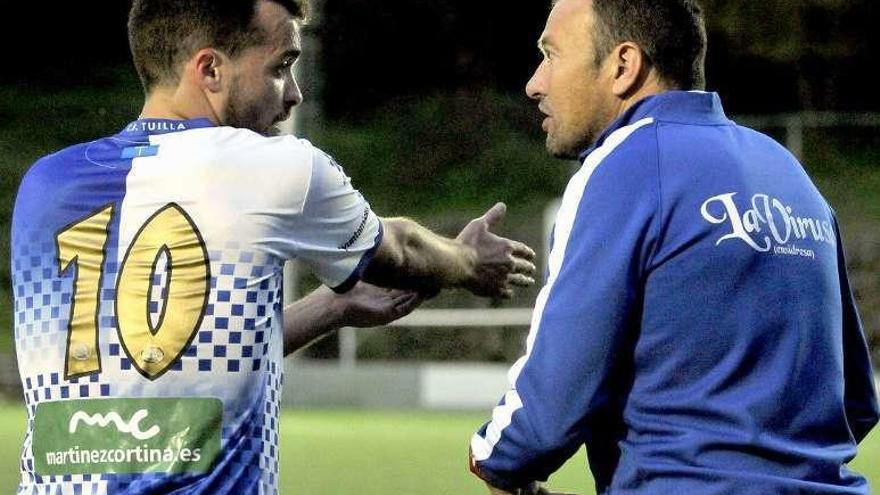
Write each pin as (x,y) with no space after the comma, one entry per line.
(126,436)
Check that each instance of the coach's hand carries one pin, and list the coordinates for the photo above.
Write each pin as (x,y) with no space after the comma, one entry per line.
(499,264)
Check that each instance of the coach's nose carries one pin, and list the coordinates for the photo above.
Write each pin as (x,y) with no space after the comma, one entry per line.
(536,88)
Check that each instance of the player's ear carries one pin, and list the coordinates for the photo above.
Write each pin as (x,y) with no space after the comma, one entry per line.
(631,67)
(209,66)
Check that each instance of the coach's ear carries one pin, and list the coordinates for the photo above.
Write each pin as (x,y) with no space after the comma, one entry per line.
(209,65)
(631,68)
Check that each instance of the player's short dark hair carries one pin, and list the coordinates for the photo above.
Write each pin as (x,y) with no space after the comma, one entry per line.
(163,34)
(672,33)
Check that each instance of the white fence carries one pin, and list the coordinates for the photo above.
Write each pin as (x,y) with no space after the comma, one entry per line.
(445,386)
(795,124)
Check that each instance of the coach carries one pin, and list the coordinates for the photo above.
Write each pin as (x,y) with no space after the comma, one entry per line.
(697,330)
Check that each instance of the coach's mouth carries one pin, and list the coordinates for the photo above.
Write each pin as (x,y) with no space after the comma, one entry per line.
(545,125)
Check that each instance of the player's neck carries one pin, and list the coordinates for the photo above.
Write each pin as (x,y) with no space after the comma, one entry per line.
(171,103)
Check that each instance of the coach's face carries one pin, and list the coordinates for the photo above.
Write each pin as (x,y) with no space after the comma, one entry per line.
(571,91)
(262,89)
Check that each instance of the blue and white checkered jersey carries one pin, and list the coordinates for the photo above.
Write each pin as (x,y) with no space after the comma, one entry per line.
(147,273)
(697,330)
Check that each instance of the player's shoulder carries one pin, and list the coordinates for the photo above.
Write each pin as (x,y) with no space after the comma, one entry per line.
(58,163)
(232,143)
(242,158)
(64,155)
(283,150)
(270,169)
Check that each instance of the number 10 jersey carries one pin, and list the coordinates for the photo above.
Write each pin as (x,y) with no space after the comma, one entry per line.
(147,273)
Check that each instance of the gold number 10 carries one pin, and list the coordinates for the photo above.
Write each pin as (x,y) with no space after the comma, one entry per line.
(152,349)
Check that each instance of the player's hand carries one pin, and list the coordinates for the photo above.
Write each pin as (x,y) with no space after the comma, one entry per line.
(367,305)
(501,264)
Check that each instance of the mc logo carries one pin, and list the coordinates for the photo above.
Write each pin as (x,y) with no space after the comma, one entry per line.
(127,435)
(132,427)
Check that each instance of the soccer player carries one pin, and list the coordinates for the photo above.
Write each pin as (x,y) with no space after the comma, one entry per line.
(697,330)
(147,265)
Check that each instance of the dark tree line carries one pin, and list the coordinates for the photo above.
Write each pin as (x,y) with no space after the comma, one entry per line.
(767,56)
(764,57)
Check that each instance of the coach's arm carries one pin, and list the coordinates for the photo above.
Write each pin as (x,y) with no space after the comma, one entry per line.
(568,390)
(860,397)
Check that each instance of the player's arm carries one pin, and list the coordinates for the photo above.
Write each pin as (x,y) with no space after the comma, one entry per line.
(567,389)
(335,233)
(860,396)
(323,311)
(411,256)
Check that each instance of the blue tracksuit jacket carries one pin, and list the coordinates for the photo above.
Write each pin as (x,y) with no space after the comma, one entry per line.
(697,330)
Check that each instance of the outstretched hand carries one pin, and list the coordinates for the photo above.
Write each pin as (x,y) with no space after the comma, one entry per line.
(500,264)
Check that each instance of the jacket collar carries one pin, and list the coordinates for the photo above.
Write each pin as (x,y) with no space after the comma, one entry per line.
(691,107)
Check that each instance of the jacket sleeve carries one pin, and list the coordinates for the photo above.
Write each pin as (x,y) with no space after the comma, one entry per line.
(860,396)
(584,319)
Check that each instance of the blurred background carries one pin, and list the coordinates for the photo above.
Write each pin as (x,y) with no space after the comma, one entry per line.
(422,102)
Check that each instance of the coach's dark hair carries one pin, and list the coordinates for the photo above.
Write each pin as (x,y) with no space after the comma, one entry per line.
(672,33)
(163,34)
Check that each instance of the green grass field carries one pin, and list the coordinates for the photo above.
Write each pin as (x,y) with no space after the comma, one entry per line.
(373,453)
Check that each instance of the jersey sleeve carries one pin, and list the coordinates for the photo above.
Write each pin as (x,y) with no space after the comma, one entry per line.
(337,232)
(563,389)
(312,213)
